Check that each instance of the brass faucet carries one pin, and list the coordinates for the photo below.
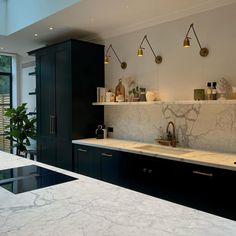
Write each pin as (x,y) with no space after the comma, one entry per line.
(172,137)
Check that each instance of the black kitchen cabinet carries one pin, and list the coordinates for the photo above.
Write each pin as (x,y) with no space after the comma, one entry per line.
(113,167)
(104,164)
(87,161)
(67,75)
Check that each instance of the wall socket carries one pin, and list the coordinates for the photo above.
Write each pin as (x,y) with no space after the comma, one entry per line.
(110,129)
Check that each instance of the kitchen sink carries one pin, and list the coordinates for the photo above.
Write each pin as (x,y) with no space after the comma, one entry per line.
(158,149)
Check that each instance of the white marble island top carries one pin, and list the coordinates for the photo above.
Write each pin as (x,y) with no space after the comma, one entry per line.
(90,207)
(213,159)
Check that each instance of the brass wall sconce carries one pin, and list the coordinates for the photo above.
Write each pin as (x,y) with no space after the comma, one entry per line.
(203,51)
(158,59)
(106,58)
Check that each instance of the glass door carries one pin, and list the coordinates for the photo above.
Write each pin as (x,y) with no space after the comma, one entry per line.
(5,98)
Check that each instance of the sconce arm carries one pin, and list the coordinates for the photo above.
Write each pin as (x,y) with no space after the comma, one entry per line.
(110,46)
(145,38)
(191,26)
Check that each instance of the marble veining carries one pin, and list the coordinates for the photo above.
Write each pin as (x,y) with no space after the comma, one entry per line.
(91,207)
(200,126)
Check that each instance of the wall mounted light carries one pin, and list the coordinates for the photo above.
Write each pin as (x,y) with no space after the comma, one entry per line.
(203,51)
(158,59)
(123,64)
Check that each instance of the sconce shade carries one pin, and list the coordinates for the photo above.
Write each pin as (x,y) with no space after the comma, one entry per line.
(186,42)
(140,52)
(106,60)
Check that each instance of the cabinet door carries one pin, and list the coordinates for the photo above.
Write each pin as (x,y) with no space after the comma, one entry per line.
(149,175)
(87,161)
(46,108)
(113,167)
(63,108)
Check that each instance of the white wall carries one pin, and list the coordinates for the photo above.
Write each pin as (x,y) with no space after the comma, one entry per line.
(181,71)
(28,84)
(35,10)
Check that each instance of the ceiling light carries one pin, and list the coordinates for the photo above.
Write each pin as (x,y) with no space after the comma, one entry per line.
(50,28)
(36,35)
(203,51)
(106,58)
(1,48)
(158,59)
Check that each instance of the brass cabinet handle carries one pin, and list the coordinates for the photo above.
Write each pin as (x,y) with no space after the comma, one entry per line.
(52,124)
(106,154)
(202,173)
(82,150)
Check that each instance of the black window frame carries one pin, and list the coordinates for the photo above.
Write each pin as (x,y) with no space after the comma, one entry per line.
(10,77)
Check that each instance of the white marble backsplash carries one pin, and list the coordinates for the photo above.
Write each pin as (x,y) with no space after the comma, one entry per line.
(209,127)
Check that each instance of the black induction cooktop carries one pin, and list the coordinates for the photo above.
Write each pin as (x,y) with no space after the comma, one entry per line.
(27,178)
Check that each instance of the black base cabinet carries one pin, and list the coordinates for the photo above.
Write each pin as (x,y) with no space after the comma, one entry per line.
(204,188)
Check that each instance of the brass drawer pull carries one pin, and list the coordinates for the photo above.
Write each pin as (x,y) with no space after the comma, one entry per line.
(82,150)
(106,154)
(202,173)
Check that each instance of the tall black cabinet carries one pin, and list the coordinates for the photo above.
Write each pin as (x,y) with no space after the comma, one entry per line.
(67,75)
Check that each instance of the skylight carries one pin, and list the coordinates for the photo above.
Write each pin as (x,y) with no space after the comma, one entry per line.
(16,15)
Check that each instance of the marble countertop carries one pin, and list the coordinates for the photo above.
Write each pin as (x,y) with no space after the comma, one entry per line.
(91,207)
(213,159)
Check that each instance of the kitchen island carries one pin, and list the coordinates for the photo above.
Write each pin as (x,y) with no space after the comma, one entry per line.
(91,207)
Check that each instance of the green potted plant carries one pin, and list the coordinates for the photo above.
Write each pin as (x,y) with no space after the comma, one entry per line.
(21,128)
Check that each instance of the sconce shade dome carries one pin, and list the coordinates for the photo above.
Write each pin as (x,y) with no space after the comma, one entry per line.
(106,60)
(186,42)
(140,52)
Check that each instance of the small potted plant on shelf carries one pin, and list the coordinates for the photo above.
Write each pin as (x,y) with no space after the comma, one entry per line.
(20,129)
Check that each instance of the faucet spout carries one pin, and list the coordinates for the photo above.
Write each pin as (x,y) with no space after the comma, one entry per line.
(173,138)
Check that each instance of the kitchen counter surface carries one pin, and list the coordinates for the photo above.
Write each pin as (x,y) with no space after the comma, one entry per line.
(213,159)
(91,207)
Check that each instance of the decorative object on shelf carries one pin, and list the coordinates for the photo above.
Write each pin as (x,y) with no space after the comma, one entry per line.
(101,94)
(224,89)
(120,92)
(199,94)
(151,96)
(142,96)
(233,95)
(209,91)
(106,58)
(158,59)
(134,92)
(21,128)
(203,51)
(214,91)
(110,96)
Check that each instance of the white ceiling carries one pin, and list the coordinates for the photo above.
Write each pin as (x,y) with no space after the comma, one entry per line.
(101,19)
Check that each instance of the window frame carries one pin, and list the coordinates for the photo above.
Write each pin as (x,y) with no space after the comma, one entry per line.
(10,77)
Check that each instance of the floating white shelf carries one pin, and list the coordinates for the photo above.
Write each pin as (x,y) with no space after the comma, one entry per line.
(186,102)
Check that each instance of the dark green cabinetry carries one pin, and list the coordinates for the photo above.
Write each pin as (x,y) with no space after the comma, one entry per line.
(201,187)
(87,161)
(67,75)
(113,167)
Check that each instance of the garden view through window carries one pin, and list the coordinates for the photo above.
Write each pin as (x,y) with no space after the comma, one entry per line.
(5,98)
